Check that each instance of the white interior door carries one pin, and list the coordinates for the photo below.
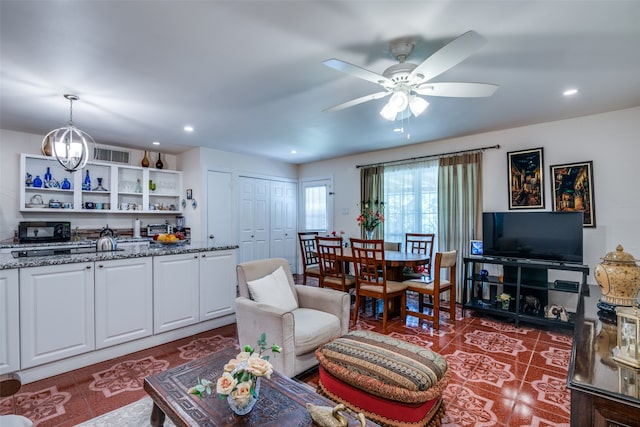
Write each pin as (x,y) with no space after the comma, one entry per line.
(283,221)
(254,216)
(219,211)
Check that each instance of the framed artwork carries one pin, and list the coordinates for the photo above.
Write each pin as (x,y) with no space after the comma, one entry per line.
(526,189)
(572,188)
(189,194)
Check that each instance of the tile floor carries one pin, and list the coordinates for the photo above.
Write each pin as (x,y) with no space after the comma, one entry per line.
(503,376)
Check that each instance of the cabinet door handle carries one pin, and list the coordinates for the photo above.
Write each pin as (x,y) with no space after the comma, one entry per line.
(99,265)
(211,236)
(203,256)
(88,267)
(195,256)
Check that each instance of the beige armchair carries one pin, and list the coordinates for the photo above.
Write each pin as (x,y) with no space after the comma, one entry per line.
(313,315)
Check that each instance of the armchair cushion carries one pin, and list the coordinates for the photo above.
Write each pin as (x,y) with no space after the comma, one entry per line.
(274,290)
(313,328)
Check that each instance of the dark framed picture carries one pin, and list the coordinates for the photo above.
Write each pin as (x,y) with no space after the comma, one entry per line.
(572,188)
(526,189)
(189,194)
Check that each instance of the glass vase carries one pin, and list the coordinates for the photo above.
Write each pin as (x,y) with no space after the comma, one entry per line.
(369,234)
(245,405)
(505,304)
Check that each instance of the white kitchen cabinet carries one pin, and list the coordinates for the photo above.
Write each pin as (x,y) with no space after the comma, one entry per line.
(124,300)
(125,188)
(56,312)
(176,291)
(217,284)
(9,322)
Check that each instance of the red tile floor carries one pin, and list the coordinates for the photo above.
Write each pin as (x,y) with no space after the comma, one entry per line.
(503,376)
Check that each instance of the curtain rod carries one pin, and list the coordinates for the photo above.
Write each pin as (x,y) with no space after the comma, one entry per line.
(429,156)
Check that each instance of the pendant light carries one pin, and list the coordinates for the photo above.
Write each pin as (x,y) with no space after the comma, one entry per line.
(69,145)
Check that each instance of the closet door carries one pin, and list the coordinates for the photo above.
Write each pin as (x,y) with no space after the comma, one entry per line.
(254,211)
(284,221)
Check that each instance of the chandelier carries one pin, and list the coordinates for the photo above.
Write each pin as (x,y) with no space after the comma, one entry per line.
(402,104)
(69,145)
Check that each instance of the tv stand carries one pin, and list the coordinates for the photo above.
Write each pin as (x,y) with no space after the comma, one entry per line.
(527,283)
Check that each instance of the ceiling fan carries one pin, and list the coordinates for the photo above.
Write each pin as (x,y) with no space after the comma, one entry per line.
(404,81)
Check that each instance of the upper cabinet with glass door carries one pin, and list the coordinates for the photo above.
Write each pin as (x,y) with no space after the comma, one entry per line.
(46,187)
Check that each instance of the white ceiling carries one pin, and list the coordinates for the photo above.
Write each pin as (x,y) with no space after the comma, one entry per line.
(248,75)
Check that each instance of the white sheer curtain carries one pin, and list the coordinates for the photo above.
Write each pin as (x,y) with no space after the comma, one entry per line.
(411,200)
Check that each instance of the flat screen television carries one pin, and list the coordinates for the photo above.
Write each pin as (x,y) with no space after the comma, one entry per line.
(548,236)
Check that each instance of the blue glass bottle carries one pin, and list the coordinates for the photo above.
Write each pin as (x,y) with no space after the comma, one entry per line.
(86,184)
(37,182)
(47,175)
(66,185)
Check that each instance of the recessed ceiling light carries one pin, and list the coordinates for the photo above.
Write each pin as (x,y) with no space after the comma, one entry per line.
(188,128)
(398,130)
(293,151)
(570,92)
(155,143)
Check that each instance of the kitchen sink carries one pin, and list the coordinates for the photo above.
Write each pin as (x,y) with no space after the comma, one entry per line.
(56,251)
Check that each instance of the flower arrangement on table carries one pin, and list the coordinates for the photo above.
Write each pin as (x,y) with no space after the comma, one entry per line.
(370,218)
(240,375)
(505,299)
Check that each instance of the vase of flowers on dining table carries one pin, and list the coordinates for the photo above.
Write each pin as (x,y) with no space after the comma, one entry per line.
(370,217)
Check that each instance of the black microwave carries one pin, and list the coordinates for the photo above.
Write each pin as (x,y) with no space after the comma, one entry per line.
(44,231)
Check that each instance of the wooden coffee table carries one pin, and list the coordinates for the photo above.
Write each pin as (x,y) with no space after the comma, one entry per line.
(281,402)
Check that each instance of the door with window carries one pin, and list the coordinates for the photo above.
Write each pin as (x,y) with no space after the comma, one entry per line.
(317,208)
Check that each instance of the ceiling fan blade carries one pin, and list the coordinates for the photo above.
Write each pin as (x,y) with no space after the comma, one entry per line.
(446,57)
(359,72)
(457,90)
(359,101)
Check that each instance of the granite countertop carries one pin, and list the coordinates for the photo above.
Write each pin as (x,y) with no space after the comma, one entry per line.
(144,249)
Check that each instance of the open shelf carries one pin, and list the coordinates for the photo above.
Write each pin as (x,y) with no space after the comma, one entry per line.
(527,283)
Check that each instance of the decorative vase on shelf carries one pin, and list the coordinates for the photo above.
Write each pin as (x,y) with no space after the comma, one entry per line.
(66,185)
(37,182)
(145,160)
(86,184)
(47,175)
(244,405)
(99,187)
(369,233)
(505,304)
(159,163)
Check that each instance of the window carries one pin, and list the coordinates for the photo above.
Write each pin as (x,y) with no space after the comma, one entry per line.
(411,200)
(317,205)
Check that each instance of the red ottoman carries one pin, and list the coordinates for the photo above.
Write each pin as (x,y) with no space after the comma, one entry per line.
(391,381)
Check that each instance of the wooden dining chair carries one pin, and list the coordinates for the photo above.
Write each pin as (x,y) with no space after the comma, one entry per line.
(433,289)
(421,243)
(308,250)
(332,270)
(368,259)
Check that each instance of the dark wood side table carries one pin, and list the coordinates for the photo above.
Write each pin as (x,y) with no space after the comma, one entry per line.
(604,393)
(281,402)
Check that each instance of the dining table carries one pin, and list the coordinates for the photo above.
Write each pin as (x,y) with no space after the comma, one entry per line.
(395,261)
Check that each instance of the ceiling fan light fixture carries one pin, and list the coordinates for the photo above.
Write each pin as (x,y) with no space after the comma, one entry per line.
(69,145)
(399,101)
(388,112)
(418,105)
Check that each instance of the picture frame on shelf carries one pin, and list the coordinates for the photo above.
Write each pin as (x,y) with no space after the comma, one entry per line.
(189,194)
(572,190)
(526,180)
